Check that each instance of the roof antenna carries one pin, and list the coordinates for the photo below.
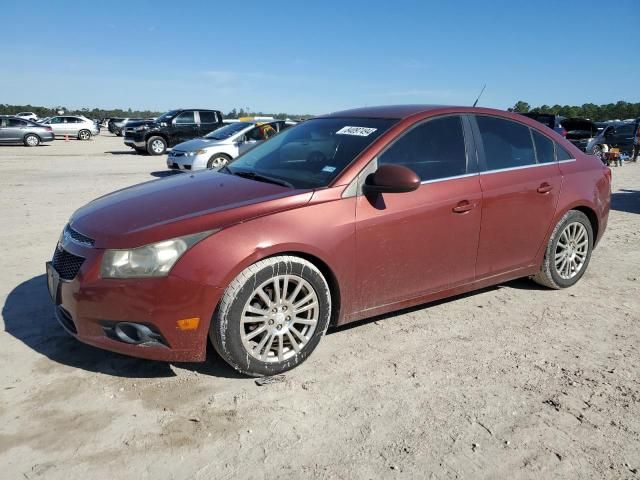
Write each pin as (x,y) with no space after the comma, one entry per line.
(481,92)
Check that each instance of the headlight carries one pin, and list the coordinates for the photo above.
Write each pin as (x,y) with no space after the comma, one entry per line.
(201,152)
(153,260)
(140,128)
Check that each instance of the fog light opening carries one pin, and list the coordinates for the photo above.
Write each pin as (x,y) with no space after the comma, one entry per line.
(135,333)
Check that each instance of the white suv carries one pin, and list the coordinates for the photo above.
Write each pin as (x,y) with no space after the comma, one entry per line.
(28,116)
(74,126)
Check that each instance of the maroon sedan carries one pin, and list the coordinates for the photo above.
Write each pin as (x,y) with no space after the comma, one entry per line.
(339,218)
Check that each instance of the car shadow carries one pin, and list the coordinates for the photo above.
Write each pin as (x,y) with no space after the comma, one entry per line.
(122,152)
(165,173)
(625,200)
(28,316)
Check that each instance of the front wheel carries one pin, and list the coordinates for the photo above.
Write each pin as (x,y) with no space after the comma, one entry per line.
(31,140)
(84,135)
(217,161)
(568,252)
(597,151)
(156,146)
(272,316)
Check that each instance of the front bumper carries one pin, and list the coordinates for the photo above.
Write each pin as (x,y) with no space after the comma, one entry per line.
(89,307)
(179,161)
(135,139)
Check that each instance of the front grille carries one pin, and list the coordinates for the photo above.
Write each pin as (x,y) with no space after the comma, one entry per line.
(66,264)
(78,237)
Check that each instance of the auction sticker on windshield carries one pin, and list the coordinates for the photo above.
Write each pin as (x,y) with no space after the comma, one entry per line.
(359,131)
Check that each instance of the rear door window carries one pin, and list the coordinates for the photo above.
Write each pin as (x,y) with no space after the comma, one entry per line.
(544,148)
(14,122)
(208,117)
(434,150)
(507,144)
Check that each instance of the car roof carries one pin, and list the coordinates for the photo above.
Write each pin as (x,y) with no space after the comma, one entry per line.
(405,111)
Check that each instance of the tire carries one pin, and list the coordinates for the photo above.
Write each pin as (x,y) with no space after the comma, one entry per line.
(597,151)
(218,160)
(574,229)
(118,132)
(156,146)
(272,350)
(31,140)
(84,135)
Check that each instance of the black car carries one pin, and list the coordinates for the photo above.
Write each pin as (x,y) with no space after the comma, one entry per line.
(169,129)
(552,121)
(624,136)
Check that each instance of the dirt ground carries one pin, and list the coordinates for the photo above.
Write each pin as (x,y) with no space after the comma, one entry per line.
(514,381)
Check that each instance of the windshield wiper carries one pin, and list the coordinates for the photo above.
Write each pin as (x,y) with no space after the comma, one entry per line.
(262,178)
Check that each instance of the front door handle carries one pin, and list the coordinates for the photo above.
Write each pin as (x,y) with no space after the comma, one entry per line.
(463,206)
(545,188)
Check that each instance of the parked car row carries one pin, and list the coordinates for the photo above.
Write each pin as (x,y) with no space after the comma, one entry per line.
(595,138)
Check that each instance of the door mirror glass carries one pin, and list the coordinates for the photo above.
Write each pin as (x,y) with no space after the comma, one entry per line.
(391,179)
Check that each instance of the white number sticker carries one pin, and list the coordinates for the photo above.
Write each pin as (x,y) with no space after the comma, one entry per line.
(358,131)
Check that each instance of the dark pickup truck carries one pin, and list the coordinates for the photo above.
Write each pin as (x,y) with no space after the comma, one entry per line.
(169,129)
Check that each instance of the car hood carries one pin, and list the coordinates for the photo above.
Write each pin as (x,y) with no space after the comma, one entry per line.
(180,205)
(199,143)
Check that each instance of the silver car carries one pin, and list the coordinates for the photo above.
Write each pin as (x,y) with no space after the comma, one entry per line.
(18,130)
(73,126)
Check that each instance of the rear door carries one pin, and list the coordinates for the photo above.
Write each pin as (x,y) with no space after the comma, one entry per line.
(622,137)
(208,122)
(415,243)
(520,182)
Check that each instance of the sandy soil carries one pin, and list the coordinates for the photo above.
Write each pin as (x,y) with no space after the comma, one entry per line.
(510,382)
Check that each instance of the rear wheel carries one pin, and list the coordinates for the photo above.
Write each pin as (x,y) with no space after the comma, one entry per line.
(31,140)
(156,146)
(218,160)
(272,316)
(84,135)
(568,252)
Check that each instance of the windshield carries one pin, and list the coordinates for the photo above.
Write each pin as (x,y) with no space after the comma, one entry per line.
(313,153)
(228,130)
(165,117)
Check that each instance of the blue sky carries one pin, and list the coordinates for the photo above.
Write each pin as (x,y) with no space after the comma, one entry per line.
(314,57)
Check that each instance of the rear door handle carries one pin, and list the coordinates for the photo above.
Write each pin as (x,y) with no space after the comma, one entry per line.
(463,206)
(545,188)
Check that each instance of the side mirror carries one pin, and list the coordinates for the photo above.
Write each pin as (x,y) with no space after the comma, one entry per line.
(391,179)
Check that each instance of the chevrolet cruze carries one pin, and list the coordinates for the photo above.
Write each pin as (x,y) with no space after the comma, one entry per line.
(339,218)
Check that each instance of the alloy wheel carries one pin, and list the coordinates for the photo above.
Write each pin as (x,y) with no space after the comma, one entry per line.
(571,250)
(157,146)
(32,140)
(279,318)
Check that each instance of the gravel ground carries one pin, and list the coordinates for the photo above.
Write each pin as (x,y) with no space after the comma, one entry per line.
(514,381)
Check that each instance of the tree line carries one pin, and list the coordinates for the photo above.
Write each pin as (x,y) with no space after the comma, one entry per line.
(100,113)
(620,110)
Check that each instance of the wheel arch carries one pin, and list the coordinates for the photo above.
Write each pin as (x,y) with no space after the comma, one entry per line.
(592,216)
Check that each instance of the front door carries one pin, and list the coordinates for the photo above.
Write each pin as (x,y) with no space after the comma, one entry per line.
(520,188)
(412,244)
(184,128)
